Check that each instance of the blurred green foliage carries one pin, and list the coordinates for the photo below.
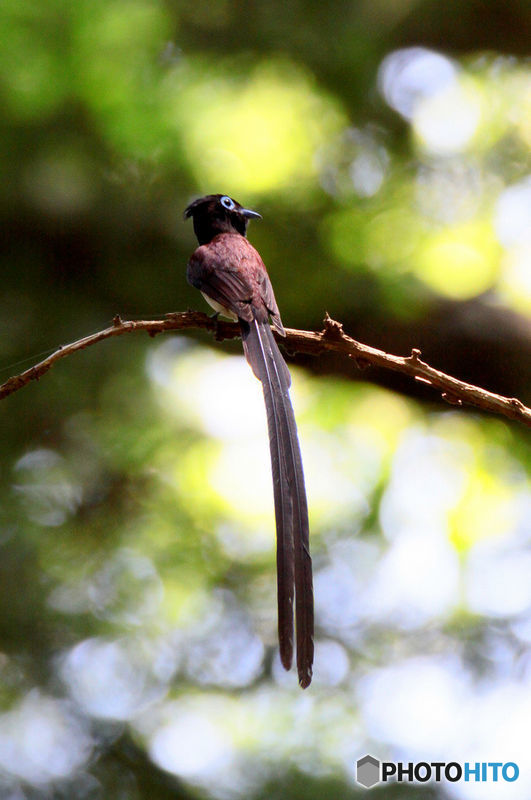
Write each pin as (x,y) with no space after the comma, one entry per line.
(387,147)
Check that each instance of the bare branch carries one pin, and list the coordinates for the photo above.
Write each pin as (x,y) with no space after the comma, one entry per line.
(331,339)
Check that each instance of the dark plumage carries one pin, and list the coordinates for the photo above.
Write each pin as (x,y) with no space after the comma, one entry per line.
(232,277)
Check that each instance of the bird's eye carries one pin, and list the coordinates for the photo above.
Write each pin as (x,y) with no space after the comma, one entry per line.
(227,202)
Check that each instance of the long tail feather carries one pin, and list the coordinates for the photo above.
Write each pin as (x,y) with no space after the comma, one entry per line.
(294,565)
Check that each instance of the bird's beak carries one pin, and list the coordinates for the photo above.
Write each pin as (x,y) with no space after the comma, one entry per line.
(246,212)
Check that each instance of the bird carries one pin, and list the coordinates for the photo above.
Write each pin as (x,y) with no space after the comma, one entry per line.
(231,276)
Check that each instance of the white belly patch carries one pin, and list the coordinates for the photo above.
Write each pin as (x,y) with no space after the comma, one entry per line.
(219,308)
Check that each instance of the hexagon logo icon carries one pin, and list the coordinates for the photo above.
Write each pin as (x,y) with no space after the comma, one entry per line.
(368,771)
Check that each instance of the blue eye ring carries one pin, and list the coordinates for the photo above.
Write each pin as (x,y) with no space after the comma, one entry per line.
(227,202)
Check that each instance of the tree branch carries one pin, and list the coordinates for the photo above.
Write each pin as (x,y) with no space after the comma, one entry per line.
(331,339)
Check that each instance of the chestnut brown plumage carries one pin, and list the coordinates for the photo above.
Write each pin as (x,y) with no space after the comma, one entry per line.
(232,277)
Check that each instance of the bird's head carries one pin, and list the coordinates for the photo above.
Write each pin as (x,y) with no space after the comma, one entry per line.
(218,213)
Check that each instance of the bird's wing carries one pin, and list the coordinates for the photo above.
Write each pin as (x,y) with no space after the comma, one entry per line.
(216,271)
(230,271)
(268,298)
